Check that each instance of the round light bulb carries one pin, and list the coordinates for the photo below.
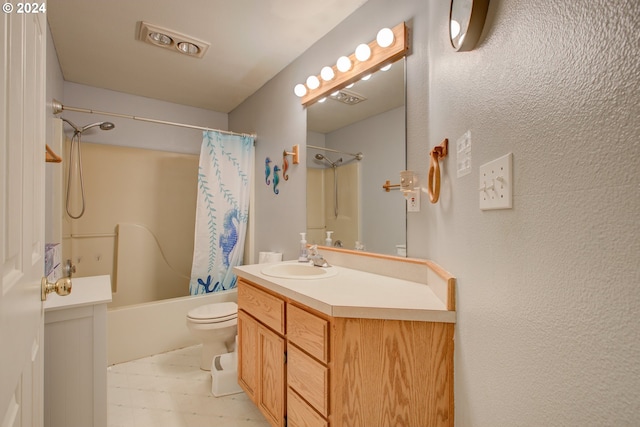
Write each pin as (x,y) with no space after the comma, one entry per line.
(385,37)
(350,86)
(300,90)
(313,82)
(386,67)
(343,64)
(322,99)
(363,52)
(365,78)
(327,74)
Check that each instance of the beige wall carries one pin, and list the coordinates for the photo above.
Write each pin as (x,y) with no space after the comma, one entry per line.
(152,195)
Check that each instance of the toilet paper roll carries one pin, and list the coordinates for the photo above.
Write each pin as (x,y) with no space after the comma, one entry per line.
(266,257)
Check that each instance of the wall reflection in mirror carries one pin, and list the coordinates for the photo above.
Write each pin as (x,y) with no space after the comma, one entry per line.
(355,142)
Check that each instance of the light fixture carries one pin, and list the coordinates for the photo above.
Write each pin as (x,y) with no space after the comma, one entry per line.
(322,100)
(385,37)
(386,67)
(389,46)
(161,39)
(313,82)
(348,97)
(300,90)
(365,78)
(327,74)
(343,64)
(363,52)
(169,39)
(188,48)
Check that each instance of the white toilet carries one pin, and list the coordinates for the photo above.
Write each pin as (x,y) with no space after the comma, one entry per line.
(215,325)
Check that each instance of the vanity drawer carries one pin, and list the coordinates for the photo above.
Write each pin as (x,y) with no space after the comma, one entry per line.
(261,305)
(300,414)
(309,378)
(309,332)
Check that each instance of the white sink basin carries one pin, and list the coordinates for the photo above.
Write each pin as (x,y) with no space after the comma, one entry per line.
(298,271)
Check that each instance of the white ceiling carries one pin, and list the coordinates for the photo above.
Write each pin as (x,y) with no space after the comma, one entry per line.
(251,41)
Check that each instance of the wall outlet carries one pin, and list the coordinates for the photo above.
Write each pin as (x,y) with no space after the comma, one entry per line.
(463,154)
(413,201)
(496,183)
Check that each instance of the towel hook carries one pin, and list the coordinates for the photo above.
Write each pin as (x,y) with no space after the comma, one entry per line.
(437,153)
(295,153)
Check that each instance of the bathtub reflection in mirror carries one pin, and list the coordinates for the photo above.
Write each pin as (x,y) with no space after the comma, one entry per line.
(345,194)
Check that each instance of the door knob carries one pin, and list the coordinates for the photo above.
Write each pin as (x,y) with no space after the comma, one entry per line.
(62,287)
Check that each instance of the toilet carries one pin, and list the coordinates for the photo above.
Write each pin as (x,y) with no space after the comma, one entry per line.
(215,325)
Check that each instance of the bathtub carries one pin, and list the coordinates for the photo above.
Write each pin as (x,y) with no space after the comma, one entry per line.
(141,330)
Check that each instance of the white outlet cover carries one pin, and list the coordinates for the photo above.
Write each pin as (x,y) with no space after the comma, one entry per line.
(496,183)
(413,201)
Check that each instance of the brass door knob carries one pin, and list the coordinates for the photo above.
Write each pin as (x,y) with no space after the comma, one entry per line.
(62,287)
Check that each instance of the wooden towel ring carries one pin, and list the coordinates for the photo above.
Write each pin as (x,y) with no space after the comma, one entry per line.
(438,152)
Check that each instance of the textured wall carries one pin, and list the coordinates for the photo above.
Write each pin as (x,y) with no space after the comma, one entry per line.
(549,291)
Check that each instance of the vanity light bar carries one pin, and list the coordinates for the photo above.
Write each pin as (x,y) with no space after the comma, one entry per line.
(379,57)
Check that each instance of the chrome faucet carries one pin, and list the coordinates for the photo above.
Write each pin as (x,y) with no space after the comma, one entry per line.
(315,257)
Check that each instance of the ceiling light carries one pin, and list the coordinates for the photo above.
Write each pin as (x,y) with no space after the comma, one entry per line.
(327,74)
(169,39)
(188,48)
(363,52)
(385,37)
(300,90)
(343,64)
(160,38)
(348,97)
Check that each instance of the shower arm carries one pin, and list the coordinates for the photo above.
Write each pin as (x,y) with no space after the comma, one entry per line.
(358,156)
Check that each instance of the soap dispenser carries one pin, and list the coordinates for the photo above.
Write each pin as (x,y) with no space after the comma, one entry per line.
(303,257)
(328,241)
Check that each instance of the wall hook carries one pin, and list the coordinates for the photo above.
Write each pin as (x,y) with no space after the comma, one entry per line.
(295,154)
(437,153)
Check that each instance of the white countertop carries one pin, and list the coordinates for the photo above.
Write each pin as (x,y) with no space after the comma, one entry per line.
(84,291)
(357,294)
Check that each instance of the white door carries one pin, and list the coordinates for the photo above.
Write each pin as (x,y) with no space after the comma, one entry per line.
(22,148)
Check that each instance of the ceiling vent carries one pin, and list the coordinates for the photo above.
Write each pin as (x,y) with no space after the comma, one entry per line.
(347,97)
(169,39)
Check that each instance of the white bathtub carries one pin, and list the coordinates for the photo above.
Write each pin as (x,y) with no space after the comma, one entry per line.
(142,330)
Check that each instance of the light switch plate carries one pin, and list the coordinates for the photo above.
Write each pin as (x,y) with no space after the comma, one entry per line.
(496,184)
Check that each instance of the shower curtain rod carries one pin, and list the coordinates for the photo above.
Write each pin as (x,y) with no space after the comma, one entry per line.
(357,155)
(59,108)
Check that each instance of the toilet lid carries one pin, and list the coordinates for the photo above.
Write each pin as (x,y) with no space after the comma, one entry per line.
(218,312)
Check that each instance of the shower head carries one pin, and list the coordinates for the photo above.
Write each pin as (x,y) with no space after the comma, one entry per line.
(103,126)
(319,156)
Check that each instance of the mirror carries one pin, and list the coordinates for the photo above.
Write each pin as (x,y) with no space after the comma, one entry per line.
(465,23)
(344,193)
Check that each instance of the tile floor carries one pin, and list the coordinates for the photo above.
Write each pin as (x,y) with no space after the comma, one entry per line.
(170,390)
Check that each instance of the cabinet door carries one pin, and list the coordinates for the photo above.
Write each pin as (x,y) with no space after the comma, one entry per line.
(271,399)
(247,360)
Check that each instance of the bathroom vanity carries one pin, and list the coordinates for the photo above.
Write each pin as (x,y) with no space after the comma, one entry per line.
(370,346)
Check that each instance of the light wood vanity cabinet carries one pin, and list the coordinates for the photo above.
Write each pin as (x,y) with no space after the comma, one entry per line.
(342,372)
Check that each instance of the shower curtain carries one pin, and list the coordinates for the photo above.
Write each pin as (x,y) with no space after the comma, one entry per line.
(222,210)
